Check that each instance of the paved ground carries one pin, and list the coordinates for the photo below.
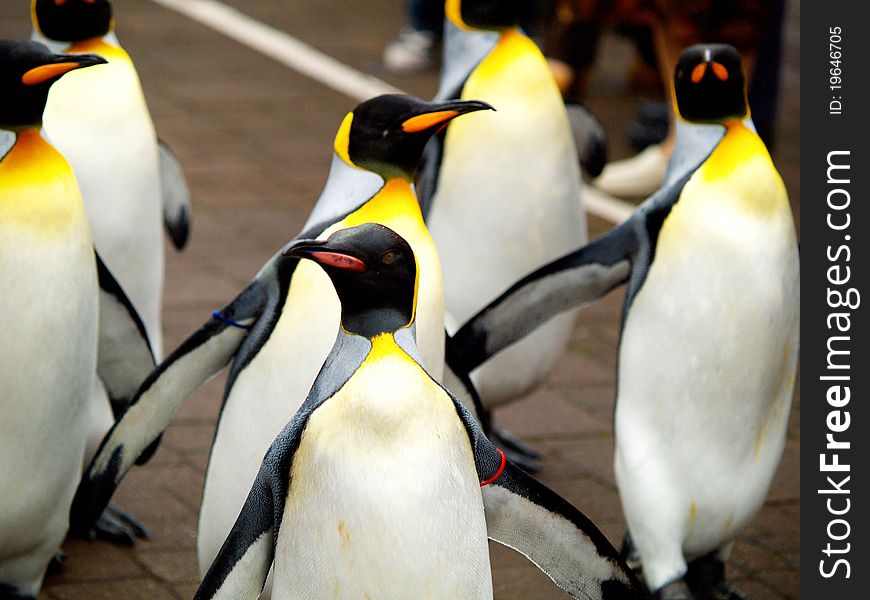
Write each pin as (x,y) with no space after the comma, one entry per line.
(255,140)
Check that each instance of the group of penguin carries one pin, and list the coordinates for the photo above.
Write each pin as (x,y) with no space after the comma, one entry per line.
(354,454)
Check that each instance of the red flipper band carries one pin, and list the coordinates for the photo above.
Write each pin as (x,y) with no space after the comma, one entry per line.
(497,473)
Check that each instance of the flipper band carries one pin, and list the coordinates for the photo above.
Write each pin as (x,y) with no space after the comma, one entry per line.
(497,473)
(217,315)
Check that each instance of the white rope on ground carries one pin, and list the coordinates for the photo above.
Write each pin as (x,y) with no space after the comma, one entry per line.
(322,68)
(282,47)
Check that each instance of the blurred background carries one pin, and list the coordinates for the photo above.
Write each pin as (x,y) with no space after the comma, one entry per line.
(255,140)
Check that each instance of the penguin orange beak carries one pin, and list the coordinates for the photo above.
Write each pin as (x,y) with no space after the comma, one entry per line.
(65,64)
(317,251)
(442,114)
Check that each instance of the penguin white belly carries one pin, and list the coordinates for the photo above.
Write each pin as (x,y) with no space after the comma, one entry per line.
(508,201)
(270,390)
(99,121)
(48,351)
(265,396)
(384,500)
(707,364)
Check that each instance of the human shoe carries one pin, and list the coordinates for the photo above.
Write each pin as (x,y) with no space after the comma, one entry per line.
(412,51)
(640,175)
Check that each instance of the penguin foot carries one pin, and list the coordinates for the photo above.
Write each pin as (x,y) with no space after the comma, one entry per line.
(676,590)
(7,592)
(706,578)
(56,563)
(517,451)
(118,527)
(629,554)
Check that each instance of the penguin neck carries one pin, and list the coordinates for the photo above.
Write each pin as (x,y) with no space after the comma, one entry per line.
(739,144)
(394,201)
(513,48)
(401,343)
(31,157)
(347,188)
(374,322)
(511,35)
(105,45)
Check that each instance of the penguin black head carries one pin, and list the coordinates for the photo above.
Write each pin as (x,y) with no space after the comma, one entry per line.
(72,20)
(485,14)
(709,84)
(27,70)
(387,134)
(374,272)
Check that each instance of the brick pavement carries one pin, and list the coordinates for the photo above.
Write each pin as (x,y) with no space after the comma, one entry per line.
(255,141)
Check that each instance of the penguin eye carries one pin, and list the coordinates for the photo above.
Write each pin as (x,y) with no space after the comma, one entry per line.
(390,257)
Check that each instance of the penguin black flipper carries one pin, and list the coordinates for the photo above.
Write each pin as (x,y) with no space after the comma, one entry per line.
(622,255)
(576,278)
(427,178)
(175,197)
(124,355)
(243,562)
(460,384)
(527,516)
(159,397)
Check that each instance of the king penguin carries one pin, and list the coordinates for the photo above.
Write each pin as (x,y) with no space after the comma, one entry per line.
(382,484)
(99,121)
(505,186)
(709,344)
(281,327)
(52,309)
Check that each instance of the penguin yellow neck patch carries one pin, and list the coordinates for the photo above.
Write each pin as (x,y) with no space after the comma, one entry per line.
(514,51)
(37,185)
(453,11)
(739,145)
(383,346)
(341,144)
(395,201)
(99,46)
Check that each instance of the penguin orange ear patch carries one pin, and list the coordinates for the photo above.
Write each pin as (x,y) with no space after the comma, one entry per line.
(339,261)
(698,73)
(427,120)
(43,73)
(719,71)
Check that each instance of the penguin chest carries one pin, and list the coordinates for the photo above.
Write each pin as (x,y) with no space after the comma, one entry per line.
(384,500)
(708,352)
(97,118)
(48,345)
(508,197)
(508,201)
(99,121)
